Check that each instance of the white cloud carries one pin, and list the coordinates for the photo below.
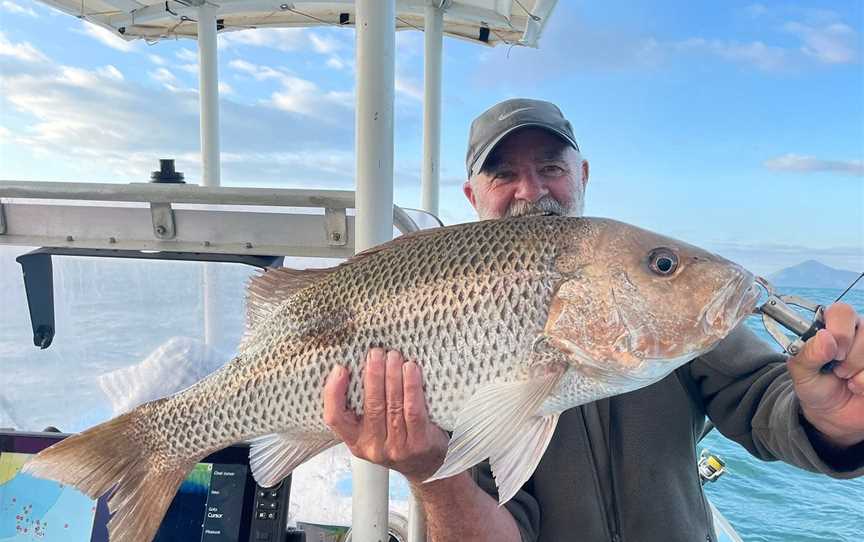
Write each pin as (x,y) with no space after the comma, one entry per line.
(63,109)
(756,53)
(110,72)
(12,7)
(225,88)
(808,164)
(156,59)
(409,87)
(323,44)
(108,38)
(833,43)
(20,51)
(287,39)
(189,68)
(164,76)
(338,64)
(283,39)
(187,55)
(299,95)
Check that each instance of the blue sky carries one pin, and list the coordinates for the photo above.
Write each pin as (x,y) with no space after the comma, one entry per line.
(737,126)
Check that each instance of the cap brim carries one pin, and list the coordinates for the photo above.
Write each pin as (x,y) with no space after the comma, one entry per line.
(477,166)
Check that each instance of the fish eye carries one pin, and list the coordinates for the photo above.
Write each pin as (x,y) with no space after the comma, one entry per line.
(663,261)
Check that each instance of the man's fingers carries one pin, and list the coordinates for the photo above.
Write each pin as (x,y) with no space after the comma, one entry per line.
(337,416)
(854,360)
(375,395)
(395,411)
(819,350)
(856,383)
(416,418)
(841,321)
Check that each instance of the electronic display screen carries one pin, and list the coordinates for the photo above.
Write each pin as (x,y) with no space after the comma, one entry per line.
(213,504)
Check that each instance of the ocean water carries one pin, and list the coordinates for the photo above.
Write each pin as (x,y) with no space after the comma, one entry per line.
(131,331)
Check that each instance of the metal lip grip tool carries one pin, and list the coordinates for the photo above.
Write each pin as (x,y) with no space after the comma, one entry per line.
(778,312)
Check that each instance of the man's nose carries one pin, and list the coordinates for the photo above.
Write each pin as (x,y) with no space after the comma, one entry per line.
(531,187)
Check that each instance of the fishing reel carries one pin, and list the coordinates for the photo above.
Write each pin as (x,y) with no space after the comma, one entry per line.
(778,312)
(711,467)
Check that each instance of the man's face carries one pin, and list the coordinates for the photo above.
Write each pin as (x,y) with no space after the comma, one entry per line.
(530,171)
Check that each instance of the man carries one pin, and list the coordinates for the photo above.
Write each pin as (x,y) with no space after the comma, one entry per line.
(622,468)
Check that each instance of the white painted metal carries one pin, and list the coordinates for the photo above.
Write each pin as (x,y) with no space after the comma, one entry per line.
(539,15)
(434,37)
(376,67)
(208,89)
(492,22)
(198,230)
(208,99)
(34,217)
(177,193)
(416,521)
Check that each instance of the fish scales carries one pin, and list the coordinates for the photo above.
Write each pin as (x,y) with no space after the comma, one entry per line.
(465,303)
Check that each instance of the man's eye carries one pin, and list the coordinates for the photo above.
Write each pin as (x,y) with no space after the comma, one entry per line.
(504,176)
(552,170)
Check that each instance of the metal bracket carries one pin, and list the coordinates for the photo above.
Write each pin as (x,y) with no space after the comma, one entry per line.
(337,227)
(37,268)
(163,220)
(2,220)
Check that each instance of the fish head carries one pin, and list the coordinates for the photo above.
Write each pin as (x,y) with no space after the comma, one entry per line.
(639,304)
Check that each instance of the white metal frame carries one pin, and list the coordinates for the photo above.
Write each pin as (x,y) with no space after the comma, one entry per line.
(376,59)
(208,220)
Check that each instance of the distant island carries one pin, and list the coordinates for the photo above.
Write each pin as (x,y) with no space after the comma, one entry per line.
(813,274)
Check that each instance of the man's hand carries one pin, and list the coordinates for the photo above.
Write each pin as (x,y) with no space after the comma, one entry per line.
(394,430)
(834,402)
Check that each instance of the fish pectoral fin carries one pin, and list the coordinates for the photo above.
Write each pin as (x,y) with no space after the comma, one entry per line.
(498,419)
(516,464)
(273,457)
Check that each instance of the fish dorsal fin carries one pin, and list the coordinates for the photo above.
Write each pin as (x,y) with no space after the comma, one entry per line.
(501,422)
(275,285)
(404,238)
(273,457)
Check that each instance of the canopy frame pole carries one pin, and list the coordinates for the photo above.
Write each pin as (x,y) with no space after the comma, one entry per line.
(432,68)
(376,67)
(430,178)
(208,98)
(208,89)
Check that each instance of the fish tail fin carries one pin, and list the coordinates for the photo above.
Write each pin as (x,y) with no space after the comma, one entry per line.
(112,455)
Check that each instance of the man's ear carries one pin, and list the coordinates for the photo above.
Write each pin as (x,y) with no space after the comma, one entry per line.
(585,171)
(468,190)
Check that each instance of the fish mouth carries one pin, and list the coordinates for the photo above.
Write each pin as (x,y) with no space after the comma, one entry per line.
(734,301)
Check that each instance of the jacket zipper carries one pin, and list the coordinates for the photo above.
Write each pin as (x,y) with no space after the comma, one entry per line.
(611,523)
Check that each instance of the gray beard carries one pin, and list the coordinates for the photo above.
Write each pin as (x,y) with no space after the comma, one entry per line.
(544,206)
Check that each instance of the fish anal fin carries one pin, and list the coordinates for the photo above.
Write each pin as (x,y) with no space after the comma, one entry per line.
(273,457)
(495,418)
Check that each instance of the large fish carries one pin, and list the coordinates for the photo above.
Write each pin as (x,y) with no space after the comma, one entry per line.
(512,322)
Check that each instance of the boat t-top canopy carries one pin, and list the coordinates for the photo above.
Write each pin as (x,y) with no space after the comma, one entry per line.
(489,22)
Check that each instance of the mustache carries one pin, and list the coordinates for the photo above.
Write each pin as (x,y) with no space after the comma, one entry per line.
(544,205)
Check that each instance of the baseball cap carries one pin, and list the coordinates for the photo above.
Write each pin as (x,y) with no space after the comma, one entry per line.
(504,118)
